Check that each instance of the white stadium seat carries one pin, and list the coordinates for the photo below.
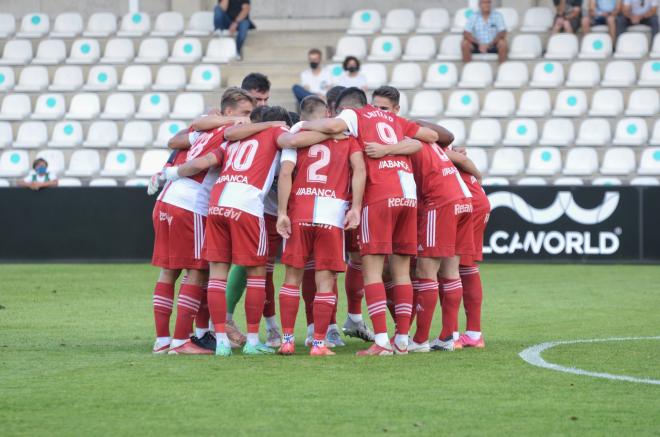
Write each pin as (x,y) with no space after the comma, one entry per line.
(462,104)
(167,130)
(594,132)
(479,157)
(568,181)
(655,137)
(4,183)
(461,17)
(534,103)
(494,182)
(135,78)
(336,72)
(499,103)
(365,22)
(399,21)
(135,24)
(507,161)
(649,163)
(84,51)
(204,78)
(222,50)
(457,128)
(544,161)
(558,132)
(547,75)
(521,132)
(532,181)
(631,45)
(153,106)
(631,132)
(15,107)
(136,182)
(606,181)
(103,182)
(441,75)
(49,107)
(538,19)
(7,25)
(450,48)
(643,102)
(433,20)
(485,132)
(34,26)
(188,106)
(200,24)
(476,75)
(14,163)
(66,134)
(119,162)
(50,52)
(570,103)
(583,74)
(152,162)
(406,76)
(512,75)
(84,163)
(7,78)
(16,52)
(101,25)
(510,18)
(606,103)
(581,161)
(84,106)
(102,134)
(347,46)
(67,25)
(596,46)
(31,135)
(426,104)
(562,46)
(136,134)
(168,24)
(644,181)
(385,49)
(6,134)
(152,51)
(32,79)
(650,74)
(101,78)
(186,51)
(118,51)
(420,48)
(55,160)
(525,47)
(119,106)
(655,50)
(376,74)
(619,74)
(618,161)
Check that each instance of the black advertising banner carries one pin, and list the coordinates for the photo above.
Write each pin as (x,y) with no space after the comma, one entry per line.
(651,223)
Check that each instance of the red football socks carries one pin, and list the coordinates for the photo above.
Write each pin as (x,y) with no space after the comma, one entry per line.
(426,298)
(376,306)
(162,302)
(217,301)
(403,300)
(289,303)
(452,293)
(324,303)
(255,297)
(354,288)
(472,297)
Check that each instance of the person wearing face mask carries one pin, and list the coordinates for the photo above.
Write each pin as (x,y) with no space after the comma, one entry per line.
(39,177)
(313,81)
(352,76)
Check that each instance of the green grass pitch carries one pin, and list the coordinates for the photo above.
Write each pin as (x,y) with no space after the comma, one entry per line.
(75,360)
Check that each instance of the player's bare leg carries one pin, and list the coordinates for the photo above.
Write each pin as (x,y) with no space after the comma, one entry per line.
(426,295)
(188,302)
(289,298)
(217,300)
(374,291)
(163,299)
(324,303)
(402,292)
(354,284)
(451,293)
(255,298)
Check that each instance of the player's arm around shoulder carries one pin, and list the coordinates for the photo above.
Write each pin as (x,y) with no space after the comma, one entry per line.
(326,125)
(180,141)
(194,166)
(463,163)
(407,146)
(358,183)
(242,131)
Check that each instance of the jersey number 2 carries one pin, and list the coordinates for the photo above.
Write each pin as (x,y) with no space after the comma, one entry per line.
(314,168)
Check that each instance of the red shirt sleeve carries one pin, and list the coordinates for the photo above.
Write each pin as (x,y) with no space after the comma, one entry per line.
(353,146)
(219,154)
(410,128)
(277,132)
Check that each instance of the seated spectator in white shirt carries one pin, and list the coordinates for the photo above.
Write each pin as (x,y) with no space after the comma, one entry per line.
(601,12)
(315,80)
(352,76)
(39,177)
(638,12)
(485,32)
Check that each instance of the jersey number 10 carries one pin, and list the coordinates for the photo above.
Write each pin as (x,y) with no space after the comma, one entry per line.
(241,155)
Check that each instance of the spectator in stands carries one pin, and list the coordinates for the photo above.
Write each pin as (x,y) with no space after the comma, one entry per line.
(567,18)
(314,80)
(258,86)
(485,32)
(601,12)
(39,177)
(235,16)
(638,12)
(352,76)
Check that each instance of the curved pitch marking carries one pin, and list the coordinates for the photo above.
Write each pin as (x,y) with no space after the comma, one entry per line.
(532,355)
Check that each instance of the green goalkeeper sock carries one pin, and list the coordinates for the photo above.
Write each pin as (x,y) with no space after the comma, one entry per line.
(236,283)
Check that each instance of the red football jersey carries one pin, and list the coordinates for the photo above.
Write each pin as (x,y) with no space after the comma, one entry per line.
(438,180)
(248,171)
(389,176)
(320,190)
(480,203)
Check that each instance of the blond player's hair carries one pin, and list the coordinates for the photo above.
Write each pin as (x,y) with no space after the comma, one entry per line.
(233,96)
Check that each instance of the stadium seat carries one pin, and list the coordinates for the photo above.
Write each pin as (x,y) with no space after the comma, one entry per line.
(581,161)
(649,163)
(50,52)
(532,181)
(101,25)
(7,79)
(153,106)
(7,25)
(385,49)
(485,132)
(135,24)
(101,78)
(655,138)
(547,75)
(596,46)
(619,74)
(479,157)
(544,161)
(102,134)
(6,134)
(525,47)
(188,106)
(399,21)
(606,103)
(650,74)
(512,75)
(594,132)
(14,163)
(16,52)
(507,161)
(433,20)
(376,74)
(499,103)
(631,132)
(34,26)
(67,25)
(457,128)
(167,130)
(510,18)
(4,183)
(119,162)
(583,74)
(441,75)
(137,134)
(84,106)
(534,103)
(558,132)
(521,132)
(84,51)
(655,50)
(494,182)
(200,24)
(606,181)
(204,78)
(15,107)
(186,51)
(31,135)
(347,46)
(136,182)
(406,76)
(461,17)
(103,182)
(568,181)
(152,162)
(118,51)
(476,75)
(69,182)
(426,104)
(55,160)
(152,51)
(450,48)
(462,104)
(538,19)
(570,103)
(336,72)
(32,79)
(66,134)
(420,48)
(618,161)
(49,107)
(365,22)
(223,50)
(631,45)
(135,78)
(168,24)
(644,181)
(119,106)
(562,46)
(643,102)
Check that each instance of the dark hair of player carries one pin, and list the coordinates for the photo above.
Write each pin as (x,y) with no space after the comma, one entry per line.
(295,118)
(277,113)
(349,59)
(332,95)
(311,105)
(352,97)
(389,92)
(257,114)
(233,96)
(256,81)
(314,52)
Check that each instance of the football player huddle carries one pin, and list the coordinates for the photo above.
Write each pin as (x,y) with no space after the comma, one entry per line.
(351,187)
